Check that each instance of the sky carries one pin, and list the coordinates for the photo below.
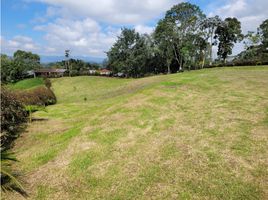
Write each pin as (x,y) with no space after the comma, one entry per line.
(90,27)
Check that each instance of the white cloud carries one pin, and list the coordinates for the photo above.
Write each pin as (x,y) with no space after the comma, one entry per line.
(144,29)
(83,37)
(250,12)
(113,11)
(9,46)
(90,27)
(78,27)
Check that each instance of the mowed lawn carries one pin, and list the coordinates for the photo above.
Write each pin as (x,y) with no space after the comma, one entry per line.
(193,135)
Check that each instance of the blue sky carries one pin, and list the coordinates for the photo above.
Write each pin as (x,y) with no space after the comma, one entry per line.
(90,27)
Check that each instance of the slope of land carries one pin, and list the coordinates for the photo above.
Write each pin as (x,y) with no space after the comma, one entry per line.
(195,135)
(27,84)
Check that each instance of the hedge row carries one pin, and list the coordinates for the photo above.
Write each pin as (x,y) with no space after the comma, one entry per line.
(13,112)
(13,115)
(41,96)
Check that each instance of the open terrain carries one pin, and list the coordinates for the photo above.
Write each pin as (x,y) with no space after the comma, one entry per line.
(194,135)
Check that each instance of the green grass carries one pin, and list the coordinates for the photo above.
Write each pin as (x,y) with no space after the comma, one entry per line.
(27,84)
(194,135)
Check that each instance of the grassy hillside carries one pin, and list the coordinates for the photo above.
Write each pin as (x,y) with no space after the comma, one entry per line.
(195,135)
(27,84)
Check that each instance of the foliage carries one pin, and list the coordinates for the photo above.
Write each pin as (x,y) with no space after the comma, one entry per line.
(256,49)
(251,40)
(15,110)
(263,31)
(184,39)
(178,35)
(9,178)
(228,33)
(12,116)
(129,54)
(41,96)
(209,26)
(14,69)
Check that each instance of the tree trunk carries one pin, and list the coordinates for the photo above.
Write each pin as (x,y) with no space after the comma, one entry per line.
(204,58)
(176,57)
(210,49)
(181,63)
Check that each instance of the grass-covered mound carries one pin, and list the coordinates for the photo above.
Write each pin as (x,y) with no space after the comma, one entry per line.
(33,91)
(27,84)
(195,135)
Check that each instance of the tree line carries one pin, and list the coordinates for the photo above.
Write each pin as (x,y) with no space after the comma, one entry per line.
(14,69)
(183,39)
(17,67)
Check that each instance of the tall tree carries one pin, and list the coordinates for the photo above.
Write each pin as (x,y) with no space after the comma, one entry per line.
(228,33)
(67,63)
(209,26)
(14,69)
(251,39)
(27,60)
(183,21)
(129,53)
(263,31)
(165,39)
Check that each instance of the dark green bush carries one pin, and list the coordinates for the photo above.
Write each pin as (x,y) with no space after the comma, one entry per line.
(12,116)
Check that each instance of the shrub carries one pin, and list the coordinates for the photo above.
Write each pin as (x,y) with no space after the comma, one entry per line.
(47,83)
(12,116)
(41,96)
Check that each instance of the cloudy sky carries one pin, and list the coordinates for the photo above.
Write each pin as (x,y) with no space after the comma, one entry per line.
(90,27)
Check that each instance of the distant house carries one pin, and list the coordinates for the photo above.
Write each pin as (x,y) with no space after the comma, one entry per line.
(105,72)
(49,72)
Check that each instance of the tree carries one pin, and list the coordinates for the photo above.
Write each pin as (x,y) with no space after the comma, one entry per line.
(6,67)
(256,49)
(164,36)
(209,26)
(263,31)
(251,40)
(27,60)
(228,33)
(128,54)
(14,69)
(67,54)
(180,24)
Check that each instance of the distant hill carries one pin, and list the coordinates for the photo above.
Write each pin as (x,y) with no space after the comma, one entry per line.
(48,59)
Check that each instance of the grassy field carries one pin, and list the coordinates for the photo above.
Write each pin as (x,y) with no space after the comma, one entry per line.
(27,84)
(194,135)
